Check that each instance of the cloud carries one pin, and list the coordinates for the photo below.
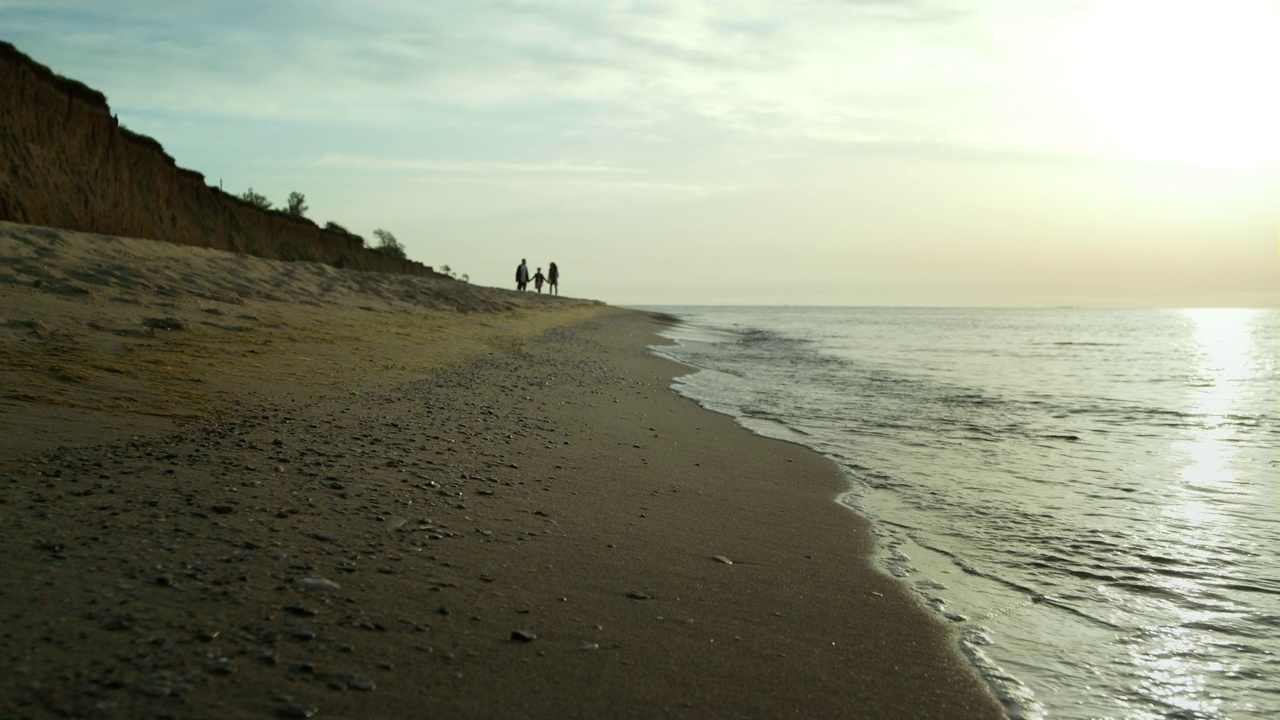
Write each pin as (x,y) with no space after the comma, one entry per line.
(548,179)
(460,167)
(962,73)
(752,65)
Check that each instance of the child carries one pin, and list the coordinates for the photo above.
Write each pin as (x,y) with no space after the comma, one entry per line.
(537,281)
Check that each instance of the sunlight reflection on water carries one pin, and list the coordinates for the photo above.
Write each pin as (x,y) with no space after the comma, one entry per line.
(1173,659)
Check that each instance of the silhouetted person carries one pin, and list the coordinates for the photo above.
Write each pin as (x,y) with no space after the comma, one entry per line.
(553,279)
(522,275)
(537,280)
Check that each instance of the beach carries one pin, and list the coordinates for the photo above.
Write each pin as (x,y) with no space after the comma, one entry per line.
(234,487)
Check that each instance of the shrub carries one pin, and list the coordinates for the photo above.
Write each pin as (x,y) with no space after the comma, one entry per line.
(256,200)
(446,270)
(297,206)
(387,244)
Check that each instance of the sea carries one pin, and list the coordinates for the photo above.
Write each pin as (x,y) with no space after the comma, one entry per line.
(1088,496)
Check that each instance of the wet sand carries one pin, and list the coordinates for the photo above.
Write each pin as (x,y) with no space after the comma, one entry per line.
(240,488)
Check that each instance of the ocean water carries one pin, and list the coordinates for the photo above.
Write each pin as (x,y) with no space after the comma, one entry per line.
(1089,496)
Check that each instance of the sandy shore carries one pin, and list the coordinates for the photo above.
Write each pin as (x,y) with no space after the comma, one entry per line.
(240,488)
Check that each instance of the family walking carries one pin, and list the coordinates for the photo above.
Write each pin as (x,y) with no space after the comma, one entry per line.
(552,278)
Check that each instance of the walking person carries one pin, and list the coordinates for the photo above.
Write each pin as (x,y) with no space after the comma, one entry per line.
(537,280)
(522,275)
(553,279)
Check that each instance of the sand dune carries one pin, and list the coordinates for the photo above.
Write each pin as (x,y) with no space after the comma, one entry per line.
(113,334)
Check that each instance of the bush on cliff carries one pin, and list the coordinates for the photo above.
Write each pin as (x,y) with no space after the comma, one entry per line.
(446,270)
(255,199)
(387,244)
(297,206)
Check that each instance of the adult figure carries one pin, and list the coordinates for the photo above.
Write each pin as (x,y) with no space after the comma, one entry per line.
(538,277)
(522,275)
(553,279)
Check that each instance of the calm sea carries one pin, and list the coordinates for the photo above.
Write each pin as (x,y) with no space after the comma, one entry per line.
(1089,496)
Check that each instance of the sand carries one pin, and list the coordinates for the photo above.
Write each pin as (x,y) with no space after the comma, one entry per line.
(234,488)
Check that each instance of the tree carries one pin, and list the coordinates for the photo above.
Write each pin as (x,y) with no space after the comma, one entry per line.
(387,244)
(297,204)
(255,199)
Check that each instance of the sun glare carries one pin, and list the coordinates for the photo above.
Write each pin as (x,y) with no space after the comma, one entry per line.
(1178,81)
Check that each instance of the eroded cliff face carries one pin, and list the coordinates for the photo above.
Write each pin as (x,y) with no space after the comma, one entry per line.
(65,162)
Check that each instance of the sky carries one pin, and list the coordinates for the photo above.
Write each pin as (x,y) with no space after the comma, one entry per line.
(672,152)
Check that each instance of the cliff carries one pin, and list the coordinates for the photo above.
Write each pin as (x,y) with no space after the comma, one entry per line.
(65,162)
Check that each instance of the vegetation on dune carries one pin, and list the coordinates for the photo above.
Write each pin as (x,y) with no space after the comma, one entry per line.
(446,270)
(255,199)
(387,244)
(297,205)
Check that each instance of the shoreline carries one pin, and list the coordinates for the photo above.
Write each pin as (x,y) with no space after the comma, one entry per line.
(516,518)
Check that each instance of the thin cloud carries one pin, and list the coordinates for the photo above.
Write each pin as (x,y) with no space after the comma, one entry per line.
(463,167)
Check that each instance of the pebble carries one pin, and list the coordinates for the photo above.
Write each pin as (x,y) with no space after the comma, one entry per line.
(357,682)
(154,689)
(637,595)
(300,609)
(722,559)
(523,636)
(315,583)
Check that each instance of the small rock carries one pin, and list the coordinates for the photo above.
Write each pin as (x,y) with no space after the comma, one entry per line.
(637,595)
(154,689)
(523,636)
(221,666)
(722,559)
(299,609)
(358,682)
(315,583)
